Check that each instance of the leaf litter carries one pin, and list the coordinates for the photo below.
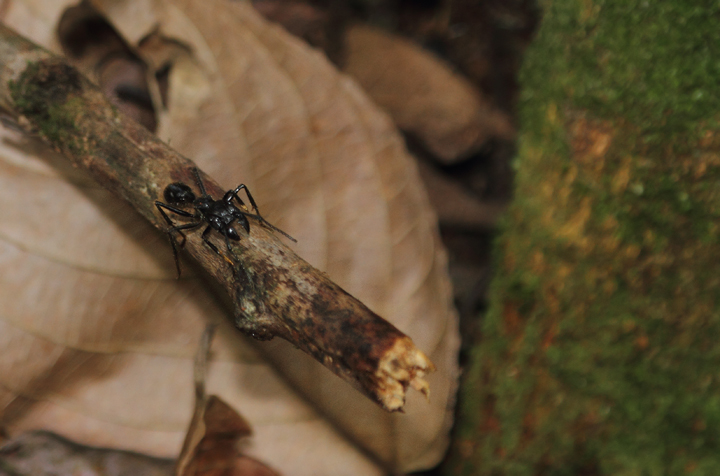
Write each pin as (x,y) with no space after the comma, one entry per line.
(98,337)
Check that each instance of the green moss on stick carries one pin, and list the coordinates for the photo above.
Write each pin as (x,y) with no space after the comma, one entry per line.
(47,93)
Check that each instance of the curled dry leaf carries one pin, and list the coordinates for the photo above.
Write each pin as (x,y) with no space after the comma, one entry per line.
(210,446)
(422,94)
(97,336)
(216,453)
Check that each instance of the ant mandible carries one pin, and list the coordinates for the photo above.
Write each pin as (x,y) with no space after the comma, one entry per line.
(219,215)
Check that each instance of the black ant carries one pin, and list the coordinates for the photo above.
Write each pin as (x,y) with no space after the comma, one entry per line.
(217,214)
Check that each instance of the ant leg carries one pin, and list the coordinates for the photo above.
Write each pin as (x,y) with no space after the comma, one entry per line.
(232,253)
(160,205)
(232,262)
(187,226)
(215,248)
(199,181)
(237,262)
(175,255)
(234,194)
(269,225)
(177,211)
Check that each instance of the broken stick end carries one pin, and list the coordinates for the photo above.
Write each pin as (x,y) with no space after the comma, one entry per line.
(402,365)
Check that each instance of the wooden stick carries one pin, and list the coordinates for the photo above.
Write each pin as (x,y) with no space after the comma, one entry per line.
(274,291)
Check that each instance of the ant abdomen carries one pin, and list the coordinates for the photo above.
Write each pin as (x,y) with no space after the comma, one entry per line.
(178,193)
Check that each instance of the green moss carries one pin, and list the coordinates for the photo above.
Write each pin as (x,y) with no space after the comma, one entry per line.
(654,63)
(46,93)
(600,351)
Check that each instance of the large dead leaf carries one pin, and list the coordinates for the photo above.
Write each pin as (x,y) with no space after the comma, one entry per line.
(97,337)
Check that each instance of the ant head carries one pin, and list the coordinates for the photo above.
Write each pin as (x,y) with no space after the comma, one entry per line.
(178,193)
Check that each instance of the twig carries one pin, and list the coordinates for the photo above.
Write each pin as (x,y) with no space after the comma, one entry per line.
(199,378)
(274,291)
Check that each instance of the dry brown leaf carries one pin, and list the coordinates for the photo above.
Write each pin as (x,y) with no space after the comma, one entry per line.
(216,453)
(211,442)
(97,337)
(457,207)
(422,94)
